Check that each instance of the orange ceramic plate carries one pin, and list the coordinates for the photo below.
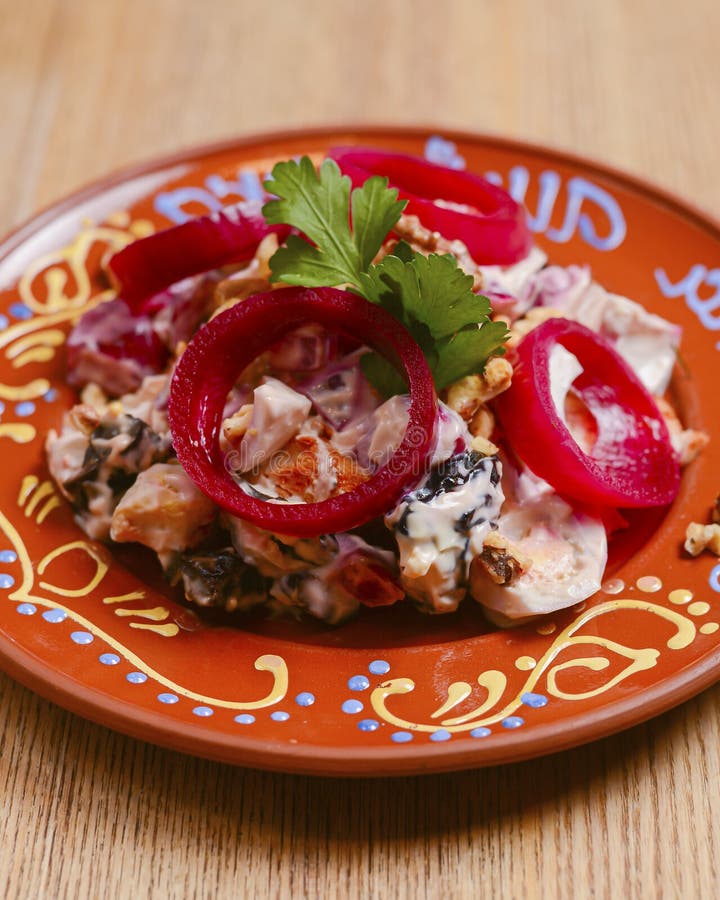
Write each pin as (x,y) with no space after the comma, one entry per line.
(393,691)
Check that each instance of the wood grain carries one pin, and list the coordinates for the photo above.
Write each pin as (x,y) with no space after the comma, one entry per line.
(86,88)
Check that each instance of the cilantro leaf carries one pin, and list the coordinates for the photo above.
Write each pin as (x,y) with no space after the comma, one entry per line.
(431,289)
(431,295)
(467,352)
(375,209)
(318,204)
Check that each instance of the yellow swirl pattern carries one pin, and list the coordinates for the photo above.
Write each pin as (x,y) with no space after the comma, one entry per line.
(270,663)
(494,682)
(65,274)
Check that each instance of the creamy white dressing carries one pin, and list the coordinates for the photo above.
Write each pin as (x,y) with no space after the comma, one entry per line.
(513,279)
(277,416)
(564,369)
(567,551)
(438,537)
(646,341)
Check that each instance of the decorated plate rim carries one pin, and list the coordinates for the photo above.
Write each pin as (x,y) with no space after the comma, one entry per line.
(128,718)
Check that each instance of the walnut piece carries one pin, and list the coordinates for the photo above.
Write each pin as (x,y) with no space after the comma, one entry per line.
(499,561)
(700,537)
(466,395)
(484,446)
(535,316)
(421,239)
(235,426)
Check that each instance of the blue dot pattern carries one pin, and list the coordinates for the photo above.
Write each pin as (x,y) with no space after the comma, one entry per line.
(203,711)
(20,311)
(512,722)
(245,719)
(480,732)
(109,659)
(50,395)
(358,683)
(280,716)
(714,578)
(26,609)
(440,735)
(537,701)
(401,737)
(351,707)
(368,725)
(305,698)
(54,616)
(82,637)
(26,408)
(379,667)
(8,556)
(168,698)
(6,581)
(4,322)
(136,677)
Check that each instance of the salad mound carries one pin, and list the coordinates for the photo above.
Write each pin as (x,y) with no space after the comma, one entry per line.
(373,390)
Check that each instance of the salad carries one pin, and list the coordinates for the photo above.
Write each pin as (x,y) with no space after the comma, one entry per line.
(371,389)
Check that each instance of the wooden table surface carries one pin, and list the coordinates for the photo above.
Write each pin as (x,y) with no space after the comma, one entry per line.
(85,88)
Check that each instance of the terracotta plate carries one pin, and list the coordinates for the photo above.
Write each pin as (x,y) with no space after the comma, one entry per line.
(393,691)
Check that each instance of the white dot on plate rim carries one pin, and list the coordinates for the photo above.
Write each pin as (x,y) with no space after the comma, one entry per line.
(648,584)
(613,586)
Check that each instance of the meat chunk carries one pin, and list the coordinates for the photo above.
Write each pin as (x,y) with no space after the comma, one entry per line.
(94,460)
(163,510)
(278,413)
(687,442)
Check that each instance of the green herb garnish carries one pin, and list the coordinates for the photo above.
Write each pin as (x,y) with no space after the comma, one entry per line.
(430,295)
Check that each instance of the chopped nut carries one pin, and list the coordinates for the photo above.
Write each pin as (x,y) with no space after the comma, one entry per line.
(535,316)
(84,418)
(409,229)
(497,377)
(482,423)
(484,446)
(467,394)
(93,395)
(235,426)
(687,442)
(499,561)
(702,537)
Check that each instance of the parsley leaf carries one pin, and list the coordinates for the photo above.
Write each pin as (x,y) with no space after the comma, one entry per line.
(319,204)
(431,295)
(459,355)
(431,289)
